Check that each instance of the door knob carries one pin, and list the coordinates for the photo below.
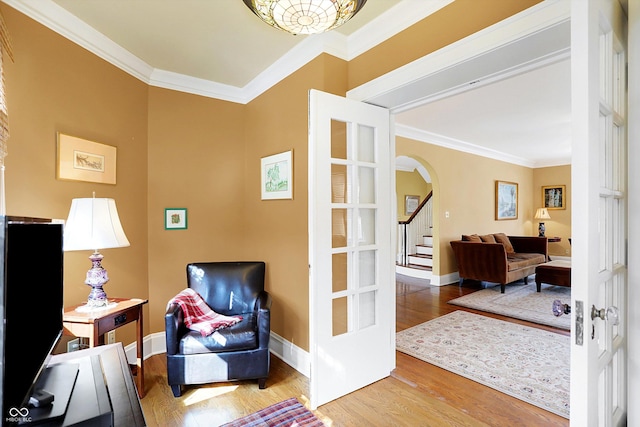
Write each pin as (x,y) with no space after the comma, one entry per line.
(559,308)
(611,314)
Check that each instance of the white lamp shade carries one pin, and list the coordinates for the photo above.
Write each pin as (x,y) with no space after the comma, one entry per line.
(93,224)
(542,213)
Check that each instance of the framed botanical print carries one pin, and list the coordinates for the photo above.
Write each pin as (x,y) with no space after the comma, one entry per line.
(175,219)
(277,176)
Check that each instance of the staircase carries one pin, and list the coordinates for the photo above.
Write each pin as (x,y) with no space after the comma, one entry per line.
(423,258)
(415,243)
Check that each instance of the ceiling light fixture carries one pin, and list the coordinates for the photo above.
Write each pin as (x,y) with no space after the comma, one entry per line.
(305,16)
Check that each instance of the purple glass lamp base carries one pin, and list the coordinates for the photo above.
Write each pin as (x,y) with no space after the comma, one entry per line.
(559,308)
(96,278)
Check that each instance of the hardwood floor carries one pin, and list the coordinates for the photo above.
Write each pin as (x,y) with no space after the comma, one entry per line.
(416,394)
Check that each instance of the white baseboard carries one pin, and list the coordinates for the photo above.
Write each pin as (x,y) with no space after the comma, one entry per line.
(447,279)
(290,353)
(414,272)
(434,280)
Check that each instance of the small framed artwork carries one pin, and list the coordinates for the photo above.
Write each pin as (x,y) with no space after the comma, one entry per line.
(277,176)
(506,200)
(411,203)
(554,197)
(83,160)
(175,219)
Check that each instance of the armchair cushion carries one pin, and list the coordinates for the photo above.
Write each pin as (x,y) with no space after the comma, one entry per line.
(198,316)
(241,336)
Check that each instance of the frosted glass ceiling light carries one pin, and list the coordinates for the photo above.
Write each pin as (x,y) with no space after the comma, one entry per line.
(305,16)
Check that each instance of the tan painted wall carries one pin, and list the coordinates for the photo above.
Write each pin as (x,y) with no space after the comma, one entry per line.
(181,150)
(55,86)
(560,223)
(409,183)
(464,186)
(196,161)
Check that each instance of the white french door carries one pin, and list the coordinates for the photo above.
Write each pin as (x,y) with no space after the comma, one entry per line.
(599,219)
(352,298)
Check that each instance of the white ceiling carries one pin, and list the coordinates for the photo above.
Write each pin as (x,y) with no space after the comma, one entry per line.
(218,48)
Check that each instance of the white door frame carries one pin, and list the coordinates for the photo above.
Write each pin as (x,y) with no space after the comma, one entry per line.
(633,308)
(535,19)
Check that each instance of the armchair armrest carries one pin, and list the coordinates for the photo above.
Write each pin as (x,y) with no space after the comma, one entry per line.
(263,308)
(173,323)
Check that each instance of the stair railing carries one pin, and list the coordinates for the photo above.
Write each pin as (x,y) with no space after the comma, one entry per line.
(411,231)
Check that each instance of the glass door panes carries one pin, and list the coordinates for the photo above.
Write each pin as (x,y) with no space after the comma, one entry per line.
(354,190)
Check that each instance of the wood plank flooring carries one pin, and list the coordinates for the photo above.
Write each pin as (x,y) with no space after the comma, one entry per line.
(416,394)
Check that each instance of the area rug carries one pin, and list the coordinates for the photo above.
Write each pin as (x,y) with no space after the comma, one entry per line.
(521,302)
(527,363)
(288,413)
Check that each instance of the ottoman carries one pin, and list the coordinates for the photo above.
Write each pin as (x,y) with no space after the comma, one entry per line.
(553,273)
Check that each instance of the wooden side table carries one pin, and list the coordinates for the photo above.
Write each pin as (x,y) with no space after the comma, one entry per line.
(95,323)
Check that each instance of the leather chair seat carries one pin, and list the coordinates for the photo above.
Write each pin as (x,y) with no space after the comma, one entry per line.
(241,336)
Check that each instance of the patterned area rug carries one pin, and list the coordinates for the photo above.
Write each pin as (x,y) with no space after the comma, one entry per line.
(521,302)
(527,363)
(288,413)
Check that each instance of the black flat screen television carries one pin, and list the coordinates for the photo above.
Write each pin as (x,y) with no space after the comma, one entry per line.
(31,306)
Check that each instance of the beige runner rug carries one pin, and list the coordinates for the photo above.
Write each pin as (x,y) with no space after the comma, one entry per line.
(521,302)
(527,363)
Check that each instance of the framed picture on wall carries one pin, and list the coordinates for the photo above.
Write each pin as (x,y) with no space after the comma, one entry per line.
(277,176)
(411,203)
(554,197)
(506,200)
(83,160)
(175,219)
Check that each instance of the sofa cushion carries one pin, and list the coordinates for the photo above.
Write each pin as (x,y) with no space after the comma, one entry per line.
(517,261)
(488,238)
(241,336)
(471,238)
(502,238)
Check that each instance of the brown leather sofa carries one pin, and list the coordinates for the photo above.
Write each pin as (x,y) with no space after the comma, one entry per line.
(498,258)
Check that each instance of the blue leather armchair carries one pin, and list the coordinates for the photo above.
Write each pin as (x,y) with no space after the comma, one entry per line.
(239,352)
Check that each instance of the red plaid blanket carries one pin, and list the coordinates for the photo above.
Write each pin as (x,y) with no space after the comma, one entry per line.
(198,316)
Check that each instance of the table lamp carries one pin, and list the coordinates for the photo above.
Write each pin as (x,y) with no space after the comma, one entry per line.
(94,224)
(541,213)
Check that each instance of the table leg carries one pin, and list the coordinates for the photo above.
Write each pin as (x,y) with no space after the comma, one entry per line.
(140,358)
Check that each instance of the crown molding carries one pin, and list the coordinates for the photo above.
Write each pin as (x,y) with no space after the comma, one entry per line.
(59,20)
(466,147)
(183,83)
(544,15)
(458,145)
(396,19)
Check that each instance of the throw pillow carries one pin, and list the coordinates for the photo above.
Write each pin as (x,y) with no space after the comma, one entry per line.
(471,238)
(502,238)
(488,238)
